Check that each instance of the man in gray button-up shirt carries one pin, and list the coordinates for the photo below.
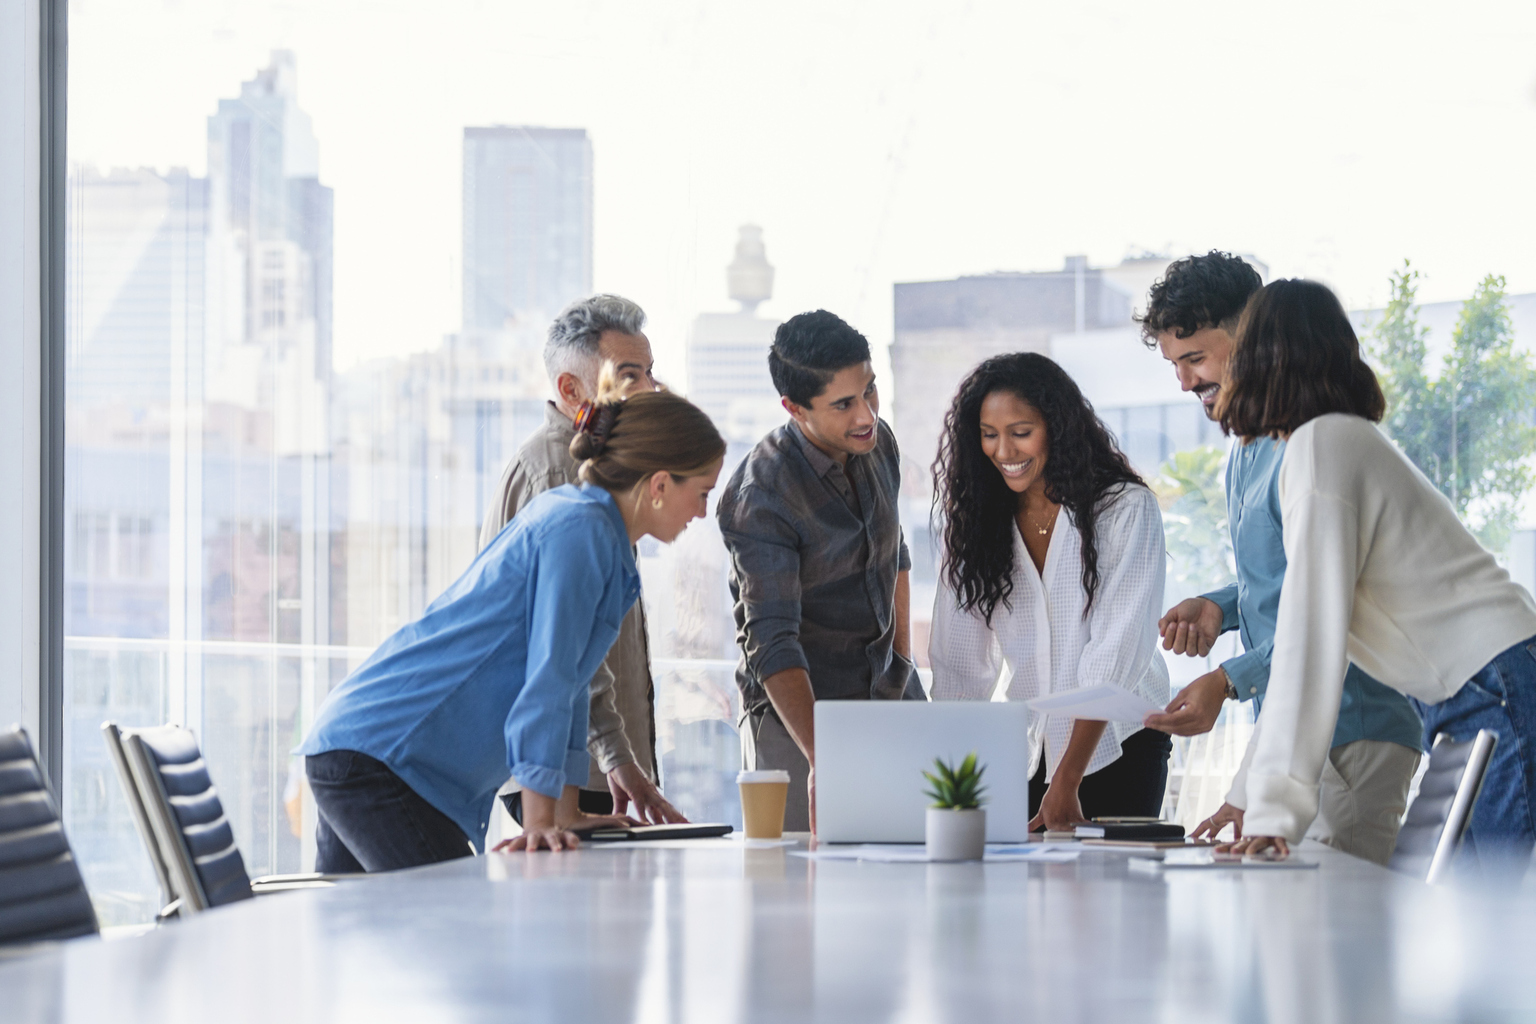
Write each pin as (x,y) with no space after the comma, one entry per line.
(621,735)
(818,564)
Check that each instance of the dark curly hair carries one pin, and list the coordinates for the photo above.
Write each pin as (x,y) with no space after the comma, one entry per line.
(808,349)
(974,501)
(1198,292)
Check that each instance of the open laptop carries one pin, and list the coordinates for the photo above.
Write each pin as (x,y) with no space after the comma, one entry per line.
(870,756)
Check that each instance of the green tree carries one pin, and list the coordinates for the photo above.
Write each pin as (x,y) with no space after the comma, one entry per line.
(1190,490)
(1469,429)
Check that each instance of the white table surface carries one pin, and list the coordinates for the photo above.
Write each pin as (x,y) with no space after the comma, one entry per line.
(714,932)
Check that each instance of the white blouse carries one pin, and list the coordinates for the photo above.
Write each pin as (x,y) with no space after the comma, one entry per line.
(1041,636)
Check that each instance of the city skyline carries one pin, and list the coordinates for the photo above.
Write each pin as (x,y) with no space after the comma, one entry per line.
(917,145)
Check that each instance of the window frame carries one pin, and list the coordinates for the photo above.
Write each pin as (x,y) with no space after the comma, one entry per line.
(53,72)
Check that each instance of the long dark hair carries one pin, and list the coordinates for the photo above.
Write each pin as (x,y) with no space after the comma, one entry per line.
(977,507)
(1296,358)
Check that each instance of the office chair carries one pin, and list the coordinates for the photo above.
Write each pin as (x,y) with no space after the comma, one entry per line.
(42,895)
(1439,815)
(182,822)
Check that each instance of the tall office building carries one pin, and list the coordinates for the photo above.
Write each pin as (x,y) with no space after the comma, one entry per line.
(728,352)
(198,470)
(135,338)
(527,231)
(944,328)
(426,437)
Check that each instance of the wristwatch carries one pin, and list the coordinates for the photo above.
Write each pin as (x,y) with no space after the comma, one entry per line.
(1231,690)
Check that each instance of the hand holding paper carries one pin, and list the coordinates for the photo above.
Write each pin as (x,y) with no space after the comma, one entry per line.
(1107,703)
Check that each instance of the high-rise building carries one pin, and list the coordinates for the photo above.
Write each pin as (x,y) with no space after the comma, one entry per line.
(135,329)
(426,437)
(728,352)
(270,231)
(944,328)
(527,230)
(198,469)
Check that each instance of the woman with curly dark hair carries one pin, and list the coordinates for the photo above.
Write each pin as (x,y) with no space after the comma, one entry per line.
(1053,565)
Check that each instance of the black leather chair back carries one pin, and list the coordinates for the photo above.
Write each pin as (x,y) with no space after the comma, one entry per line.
(1438,816)
(42,895)
(188,818)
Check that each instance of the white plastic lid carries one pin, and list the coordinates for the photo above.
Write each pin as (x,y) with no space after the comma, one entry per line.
(770,775)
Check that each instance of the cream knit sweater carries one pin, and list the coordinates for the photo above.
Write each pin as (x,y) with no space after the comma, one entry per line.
(1379,572)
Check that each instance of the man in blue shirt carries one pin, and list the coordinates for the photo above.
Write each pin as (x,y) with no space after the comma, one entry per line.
(1191,317)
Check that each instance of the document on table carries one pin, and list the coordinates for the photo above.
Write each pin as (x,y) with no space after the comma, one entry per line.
(1106,703)
(1044,853)
(1208,860)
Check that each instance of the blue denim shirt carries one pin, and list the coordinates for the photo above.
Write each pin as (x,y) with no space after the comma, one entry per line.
(493,676)
(1369,710)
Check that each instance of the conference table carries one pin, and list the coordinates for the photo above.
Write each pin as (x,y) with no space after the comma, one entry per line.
(723,930)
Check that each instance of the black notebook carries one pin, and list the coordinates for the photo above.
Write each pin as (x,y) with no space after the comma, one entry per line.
(619,834)
(1138,830)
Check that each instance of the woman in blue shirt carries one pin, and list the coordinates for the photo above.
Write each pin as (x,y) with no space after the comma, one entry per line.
(407,754)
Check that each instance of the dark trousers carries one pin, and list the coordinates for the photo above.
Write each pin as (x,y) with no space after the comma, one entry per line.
(1131,786)
(588,801)
(370,820)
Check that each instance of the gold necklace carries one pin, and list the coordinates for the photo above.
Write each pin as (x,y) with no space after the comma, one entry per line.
(1043,530)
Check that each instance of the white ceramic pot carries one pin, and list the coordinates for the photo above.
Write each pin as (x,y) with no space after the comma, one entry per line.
(956,835)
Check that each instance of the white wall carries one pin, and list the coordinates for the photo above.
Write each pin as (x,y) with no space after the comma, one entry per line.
(20,326)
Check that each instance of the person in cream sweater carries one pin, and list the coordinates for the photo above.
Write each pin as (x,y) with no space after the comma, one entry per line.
(1381,572)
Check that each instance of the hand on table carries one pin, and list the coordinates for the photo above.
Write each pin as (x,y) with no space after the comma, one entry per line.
(561,835)
(628,784)
(1274,846)
(1195,708)
(1225,815)
(1191,627)
(551,837)
(1060,810)
(587,822)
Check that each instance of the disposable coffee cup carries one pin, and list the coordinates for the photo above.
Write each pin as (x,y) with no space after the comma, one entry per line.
(763,795)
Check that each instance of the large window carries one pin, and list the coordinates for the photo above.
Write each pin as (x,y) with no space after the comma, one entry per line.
(312,251)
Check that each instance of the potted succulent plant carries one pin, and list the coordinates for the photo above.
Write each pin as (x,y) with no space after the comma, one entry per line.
(957,825)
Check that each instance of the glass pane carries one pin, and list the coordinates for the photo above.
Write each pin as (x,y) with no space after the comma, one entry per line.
(313,252)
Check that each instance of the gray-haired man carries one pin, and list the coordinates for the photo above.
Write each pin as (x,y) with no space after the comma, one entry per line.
(621,735)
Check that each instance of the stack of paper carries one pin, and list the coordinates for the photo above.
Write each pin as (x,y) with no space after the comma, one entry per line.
(1207,859)
(1049,853)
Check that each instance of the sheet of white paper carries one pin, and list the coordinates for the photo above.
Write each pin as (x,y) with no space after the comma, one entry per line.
(1055,853)
(1206,860)
(1101,703)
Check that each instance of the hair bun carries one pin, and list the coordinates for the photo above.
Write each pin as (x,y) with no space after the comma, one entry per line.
(586,446)
(593,424)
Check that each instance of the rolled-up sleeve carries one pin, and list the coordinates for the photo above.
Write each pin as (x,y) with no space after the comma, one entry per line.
(1225,598)
(1248,671)
(765,558)
(546,728)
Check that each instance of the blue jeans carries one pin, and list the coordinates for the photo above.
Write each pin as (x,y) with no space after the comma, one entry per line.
(1501,697)
(370,820)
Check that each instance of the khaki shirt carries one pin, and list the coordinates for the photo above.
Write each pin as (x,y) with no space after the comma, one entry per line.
(622,723)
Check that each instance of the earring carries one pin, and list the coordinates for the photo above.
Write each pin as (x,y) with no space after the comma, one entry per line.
(656,503)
